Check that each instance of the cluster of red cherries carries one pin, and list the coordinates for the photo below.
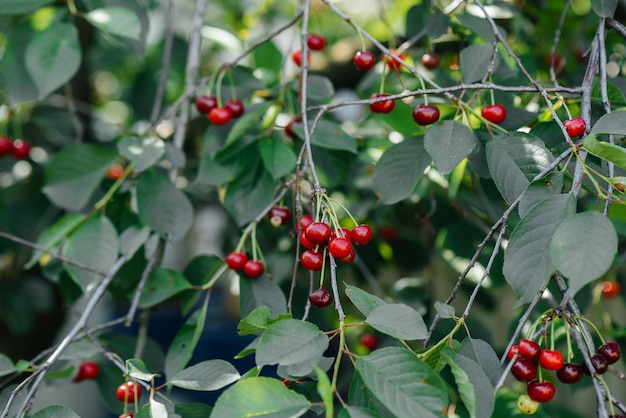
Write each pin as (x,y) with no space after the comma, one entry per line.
(19,149)
(530,357)
(217,113)
(126,392)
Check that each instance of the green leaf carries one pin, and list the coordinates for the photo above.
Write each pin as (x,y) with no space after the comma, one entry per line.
(120,21)
(514,160)
(95,244)
(475,61)
(478,393)
(15,7)
(320,89)
(398,170)
(357,412)
(364,302)
(416,19)
(527,260)
(329,135)
(611,123)
(260,292)
(399,321)
(184,343)
(448,143)
(260,397)
(258,320)
(249,122)
(278,158)
(153,409)
(15,82)
(143,152)
(162,206)
(478,25)
(615,95)
(445,311)
(583,248)
(291,341)
(325,390)
(206,376)
(403,383)
(55,411)
(53,56)
(605,150)
(550,185)
(132,239)
(6,365)
(483,354)
(192,410)
(74,173)
(161,285)
(137,369)
(604,8)
(249,194)
(54,234)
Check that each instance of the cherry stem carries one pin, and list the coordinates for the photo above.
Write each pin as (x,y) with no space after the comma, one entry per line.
(592,326)
(218,89)
(570,354)
(345,210)
(233,89)
(323,268)
(552,334)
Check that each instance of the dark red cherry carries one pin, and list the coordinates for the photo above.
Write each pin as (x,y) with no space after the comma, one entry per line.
(494,113)
(612,351)
(524,370)
(6,145)
(541,391)
(364,60)
(236,107)
(385,106)
(320,298)
(236,261)
(316,42)
(253,268)
(425,114)
(312,260)
(204,103)
(570,373)
(529,350)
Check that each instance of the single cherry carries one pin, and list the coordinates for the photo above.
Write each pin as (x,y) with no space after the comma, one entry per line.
(599,362)
(524,370)
(312,260)
(349,258)
(361,234)
(220,115)
(115,172)
(570,373)
(305,220)
(279,215)
(526,405)
(6,145)
(551,359)
(306,243)
(611,350)
(236,107)
(385,106)
(364,60)
(316,42)
(127,416)
(425,114)
(320,298)
(296,57)
(289,128)
(575,127)
(529,350)
(128,392)
(392,62)
(318,232)
(611,289)
(205,103)
(88,370)
(512,352)
(494,113)
(431,61)
(369,341)
(541,391)
(253,268)
(340,247)
(236,261)
(21,149)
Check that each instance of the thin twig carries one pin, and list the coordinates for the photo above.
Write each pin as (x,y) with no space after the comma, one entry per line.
(155,259)
(165,63)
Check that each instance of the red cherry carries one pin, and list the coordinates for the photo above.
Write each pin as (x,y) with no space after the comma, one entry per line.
(392,62)
(349,258)
(306,243)
(127,416)
(312,260)
(220,116)
(494,113)
(305,220)
(558,64)
(253,268)
(570,373)
(385,106)
(236,107)
(512,352)
(279,215)
(340,247)
(529,350)
(611,289)
(551,359)
(341,233)
(388,233)
(6,145)
(128,392)
(431,61)
(575,127)
(425,115)
(115,172)
(361,234)
(541,391)
(204,103)
(611,351)
(21,149)
(236,261)
(316,42)
(524,370)
(320,298)
(296,57)
(369,341)
(600,363)
(318,232)
(88,370)
(364,60)
(289,128)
